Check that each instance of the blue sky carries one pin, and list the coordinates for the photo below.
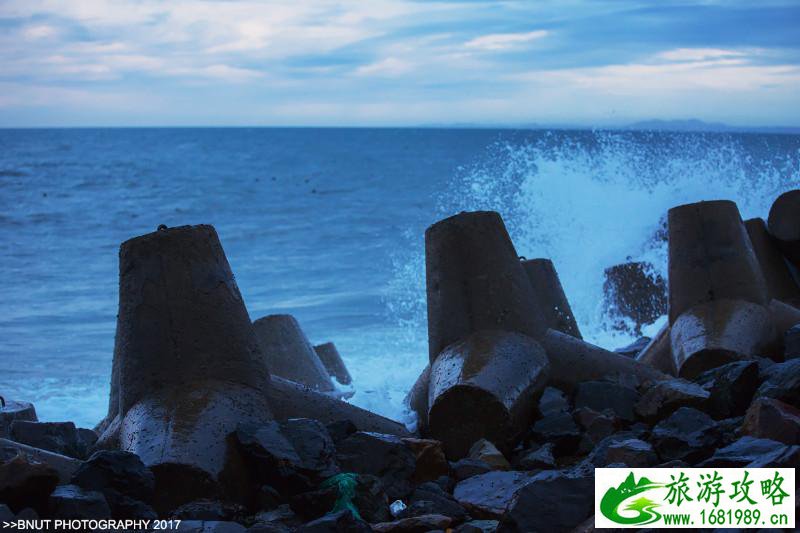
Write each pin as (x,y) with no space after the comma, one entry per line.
(394,62)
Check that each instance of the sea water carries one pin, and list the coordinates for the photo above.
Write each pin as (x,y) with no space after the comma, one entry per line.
(328,225)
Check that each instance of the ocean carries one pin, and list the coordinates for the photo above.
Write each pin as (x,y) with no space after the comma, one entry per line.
(328,225)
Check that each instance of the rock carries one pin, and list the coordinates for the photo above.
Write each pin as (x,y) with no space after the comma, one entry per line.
(64,466)
(745,451)
(772,419)
(559,429)
(634,349)
(71,501)
(417,399)
(57,437)
(13,410)
(634,453)
(267,498)
(664,397)
(635,291)
(429,498)
(791,342)
(488,495)
(599,454)
(430,458)
(210,526)
(26,484)
(341,429)
(119,471)
(124,507)
(339,522)
(478,526)
(486,386)
(731,387)
(416,524)
(209,510)
(279,520)
(539,458)
(384,456)
(5,513)
(467,468)
(553,401)
(688,435)
(292,456)
(658,352)
(549,296)
(551,501)
(604,395)
(596,426)
(485,451)
(781,381)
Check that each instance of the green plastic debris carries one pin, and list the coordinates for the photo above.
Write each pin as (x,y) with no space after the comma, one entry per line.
(345,485)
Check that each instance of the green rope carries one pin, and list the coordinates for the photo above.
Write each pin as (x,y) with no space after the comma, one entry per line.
(345,485)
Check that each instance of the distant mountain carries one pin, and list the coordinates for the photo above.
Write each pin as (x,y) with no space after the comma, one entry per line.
(699,125)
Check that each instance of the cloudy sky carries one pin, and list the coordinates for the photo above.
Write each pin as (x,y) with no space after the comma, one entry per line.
(397,62)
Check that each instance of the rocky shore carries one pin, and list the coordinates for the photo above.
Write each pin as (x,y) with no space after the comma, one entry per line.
(232,425)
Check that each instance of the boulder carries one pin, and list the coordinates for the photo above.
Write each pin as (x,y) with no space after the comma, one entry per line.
(605,395)
(658,353)
(475,282)
(768,418)
(553,401)
(635,348)
(783,224)
(745,452)
(478,526)
(485,451)
(634,453)
(333,362)
(58,437)
(431,462)
(634,291)
(209,510)
(551,501)
(467,468)
(558,429)
(663,398)
(488,495)
(778,277)
(11,410)
(73,502)
(124,507)
(64,466)
(781,381)
(598,457)
(549,296)
(538,458)
(288,353)
(791,342)
(292,456)
(5,513)
(339,522)
(688,434)
(384,456)
(430,498)
(596,426)
(341,429)
(416,524)
(730,387)
(119,471)
(486,386)
(24,483)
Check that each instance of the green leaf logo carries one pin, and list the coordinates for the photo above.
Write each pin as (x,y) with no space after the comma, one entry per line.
(644,508)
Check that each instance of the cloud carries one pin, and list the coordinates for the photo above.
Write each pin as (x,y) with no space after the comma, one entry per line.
(391,66)
(39,31)
(698,54)
(505,41)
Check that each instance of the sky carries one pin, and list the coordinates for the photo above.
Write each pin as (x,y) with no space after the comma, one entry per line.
(397,62)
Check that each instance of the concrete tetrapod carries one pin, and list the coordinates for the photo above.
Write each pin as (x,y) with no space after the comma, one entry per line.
(715,333)
(485,386)
(189,365)
(780,283)
(573,361)
(549,296)
(475,281)
(658,353)
(711,257)
(417,398)
(333,362)
(289,354)
(784,224)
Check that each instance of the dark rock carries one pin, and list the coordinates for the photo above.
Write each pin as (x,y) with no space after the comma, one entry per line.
(384,456)
(429,498)
(781,381)
(599,455)
(267,498)
(603,395)
(87,438)
(26,484)
(789,457)
(745,451)
(416,524)
(772,419)
(123,507)
(559,429)
(269,527)
(209,510)
(791,342)
(541,457)
(279,520)
(688,435)
(466,468)
(340,522)
(596,426)
(664,397)
(485,451)
(634,348)
(292,456)
(115,470)
(553,401)
(210,526)
(478,526)
(71,501)
(488,495)
(731,388)
(58,437)
(633,453)
(27,514)
(551,501)
(431,461)
(341,429)
(5,513)
(14,410)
